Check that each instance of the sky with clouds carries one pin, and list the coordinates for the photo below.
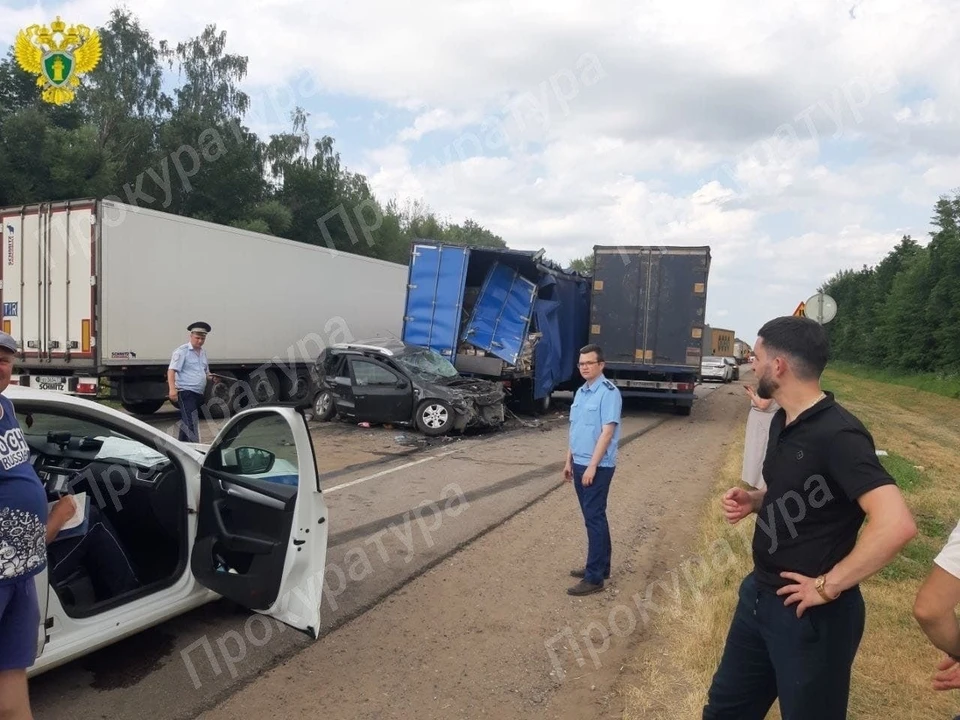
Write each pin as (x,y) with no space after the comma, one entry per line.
(794,138)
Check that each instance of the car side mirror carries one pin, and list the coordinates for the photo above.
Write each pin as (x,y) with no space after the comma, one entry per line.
(402,384)
(248,460)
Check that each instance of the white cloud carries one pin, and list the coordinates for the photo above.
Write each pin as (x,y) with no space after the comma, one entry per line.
(436,119)
(795,138)
(925,114)
(938,173)
(321,121)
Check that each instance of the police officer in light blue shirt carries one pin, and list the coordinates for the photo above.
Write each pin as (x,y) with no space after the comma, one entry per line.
(187,377)
(591,459)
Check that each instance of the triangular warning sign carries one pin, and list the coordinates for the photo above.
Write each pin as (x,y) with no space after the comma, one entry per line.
(801,310)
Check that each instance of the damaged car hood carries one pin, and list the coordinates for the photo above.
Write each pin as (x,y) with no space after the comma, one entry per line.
(484,392)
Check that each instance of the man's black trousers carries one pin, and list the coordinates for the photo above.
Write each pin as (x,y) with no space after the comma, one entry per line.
(772,654)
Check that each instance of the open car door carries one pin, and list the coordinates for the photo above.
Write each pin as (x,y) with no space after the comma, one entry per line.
(262,526)
(42,583)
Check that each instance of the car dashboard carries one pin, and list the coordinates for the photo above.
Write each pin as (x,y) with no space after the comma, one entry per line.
(59,455)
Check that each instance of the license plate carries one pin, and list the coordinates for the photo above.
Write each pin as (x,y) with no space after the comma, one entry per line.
(47,382)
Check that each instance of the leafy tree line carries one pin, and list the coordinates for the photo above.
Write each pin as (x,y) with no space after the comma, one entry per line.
(189,153)
(582,264)
(904,314)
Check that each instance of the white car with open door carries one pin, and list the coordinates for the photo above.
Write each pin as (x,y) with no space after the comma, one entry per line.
(244,519)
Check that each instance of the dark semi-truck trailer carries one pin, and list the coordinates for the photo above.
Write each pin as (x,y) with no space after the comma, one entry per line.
(647,313)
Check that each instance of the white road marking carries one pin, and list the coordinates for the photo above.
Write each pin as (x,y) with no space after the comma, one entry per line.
(391,470)
(435,457)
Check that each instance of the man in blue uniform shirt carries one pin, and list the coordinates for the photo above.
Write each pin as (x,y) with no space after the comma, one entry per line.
(187,378)
(591,459)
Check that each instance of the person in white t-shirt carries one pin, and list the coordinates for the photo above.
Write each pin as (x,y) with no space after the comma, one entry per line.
(935,609)
(755,439)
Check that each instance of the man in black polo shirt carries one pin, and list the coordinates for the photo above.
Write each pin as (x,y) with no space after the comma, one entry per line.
(800,615)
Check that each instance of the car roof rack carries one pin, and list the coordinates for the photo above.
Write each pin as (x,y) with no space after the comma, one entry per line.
(363,346)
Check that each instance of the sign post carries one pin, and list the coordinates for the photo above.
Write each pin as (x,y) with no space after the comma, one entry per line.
(820,307)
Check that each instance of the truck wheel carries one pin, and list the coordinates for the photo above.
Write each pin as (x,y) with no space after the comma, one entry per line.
(218,397)
(143,407)
(323,406)
(266,387)
(241,395)
(434,417)
(295,389)
(682,409)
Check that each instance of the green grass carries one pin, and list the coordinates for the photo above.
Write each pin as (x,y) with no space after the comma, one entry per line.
(917,429)
(936,383)
(914,561)
(903,471)
(933,527)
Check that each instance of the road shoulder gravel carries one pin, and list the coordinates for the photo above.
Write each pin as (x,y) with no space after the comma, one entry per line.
(491,630)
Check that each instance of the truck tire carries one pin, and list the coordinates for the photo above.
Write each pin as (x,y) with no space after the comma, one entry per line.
(265,386)
(434,417)
(219,395)
(295,389)
(241,394)
(682,409)
(143,407)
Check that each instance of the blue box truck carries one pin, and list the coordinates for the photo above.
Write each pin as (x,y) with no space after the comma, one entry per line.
(647,309)
(501,314)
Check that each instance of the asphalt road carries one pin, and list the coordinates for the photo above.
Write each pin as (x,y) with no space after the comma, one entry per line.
(392,516)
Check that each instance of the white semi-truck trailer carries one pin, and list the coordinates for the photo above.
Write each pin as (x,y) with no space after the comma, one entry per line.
(98,294)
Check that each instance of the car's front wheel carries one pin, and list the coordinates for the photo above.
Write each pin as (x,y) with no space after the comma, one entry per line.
(323,406)
(434,417)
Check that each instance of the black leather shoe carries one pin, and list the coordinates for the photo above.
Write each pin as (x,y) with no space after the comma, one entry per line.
(584,588)
(580,572)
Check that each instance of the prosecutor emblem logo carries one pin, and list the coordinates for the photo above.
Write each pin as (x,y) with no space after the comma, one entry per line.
(59,56)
